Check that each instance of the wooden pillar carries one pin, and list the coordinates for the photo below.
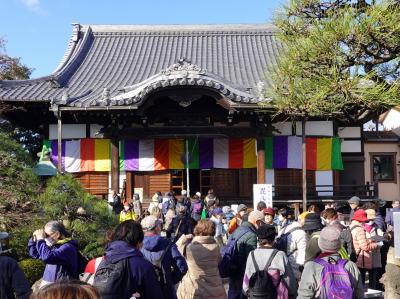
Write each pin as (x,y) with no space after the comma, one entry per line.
(304,168)
(59,142)
(260,162)
(115,165)
(128,185)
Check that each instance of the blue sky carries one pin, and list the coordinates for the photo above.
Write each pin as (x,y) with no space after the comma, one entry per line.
(38,30)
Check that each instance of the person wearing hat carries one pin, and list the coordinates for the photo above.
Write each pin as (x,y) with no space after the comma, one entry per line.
(329,243)
(154,246)
(182,223)
(279,262)
(155,203)
(184,200)
(373,232)
(363,246)
(269,215)
(216,217)
(312,226)
(12,279)
(354,204)
(237,220)
(244,245)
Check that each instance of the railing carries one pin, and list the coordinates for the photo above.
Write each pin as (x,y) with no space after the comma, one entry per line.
(315,194)
(318,193)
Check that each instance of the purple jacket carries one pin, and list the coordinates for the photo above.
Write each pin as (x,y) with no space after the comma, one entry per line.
(389,216)
(174,264)
(61,260)
(142,271)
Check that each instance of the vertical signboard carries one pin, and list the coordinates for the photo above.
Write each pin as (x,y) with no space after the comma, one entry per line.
(262,192)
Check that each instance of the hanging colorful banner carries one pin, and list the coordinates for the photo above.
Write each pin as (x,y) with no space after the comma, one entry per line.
(286,152)
(205,153)
(161,154)
(82,155)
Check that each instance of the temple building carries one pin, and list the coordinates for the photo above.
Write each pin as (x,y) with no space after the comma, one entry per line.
(154,108)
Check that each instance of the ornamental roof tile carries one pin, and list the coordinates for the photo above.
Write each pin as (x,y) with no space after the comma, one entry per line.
(131,61)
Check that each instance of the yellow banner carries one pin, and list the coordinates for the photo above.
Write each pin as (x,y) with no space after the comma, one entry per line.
(176,151)
(102,161)
(249,153)
(324,153)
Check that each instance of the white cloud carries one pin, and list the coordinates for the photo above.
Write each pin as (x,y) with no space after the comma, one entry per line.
(32,4)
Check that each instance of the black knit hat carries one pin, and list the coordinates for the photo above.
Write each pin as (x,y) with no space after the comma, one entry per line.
(312,222)
(266,232)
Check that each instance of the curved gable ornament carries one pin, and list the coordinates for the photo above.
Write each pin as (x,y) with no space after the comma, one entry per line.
(183,73)
(183,66)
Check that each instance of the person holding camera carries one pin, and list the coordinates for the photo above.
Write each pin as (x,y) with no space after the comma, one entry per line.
(53,245)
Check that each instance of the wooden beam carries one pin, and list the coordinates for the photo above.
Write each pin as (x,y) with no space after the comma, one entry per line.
(260,162)
(115,165)
(304,166)
(59,142)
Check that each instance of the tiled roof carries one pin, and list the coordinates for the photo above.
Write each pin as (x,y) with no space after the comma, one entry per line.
(119,65)
(381,136)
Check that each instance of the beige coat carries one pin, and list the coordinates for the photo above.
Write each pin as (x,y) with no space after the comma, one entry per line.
(202,279)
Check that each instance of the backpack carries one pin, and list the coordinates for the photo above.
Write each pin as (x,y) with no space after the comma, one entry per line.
(197,208)
(228,263)
(168,204)
(335,279)
(261,284)
(82,263)
(281,243)
(112,279)
(159,269)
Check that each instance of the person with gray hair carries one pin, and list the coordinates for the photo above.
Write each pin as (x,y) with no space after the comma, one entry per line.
(53,245)
(163,254)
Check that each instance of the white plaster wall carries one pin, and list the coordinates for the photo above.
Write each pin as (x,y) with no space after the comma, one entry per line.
(324,178)
(270,179)
(69,131)
(351,146)
(284,128)
(387,191)
(349,132)
(94,129)
(392,120)
(316,128)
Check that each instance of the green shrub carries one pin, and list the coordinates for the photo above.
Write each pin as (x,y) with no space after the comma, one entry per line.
(33,269)
(63,198)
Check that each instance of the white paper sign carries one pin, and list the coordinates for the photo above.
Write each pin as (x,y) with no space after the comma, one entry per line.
(262,192)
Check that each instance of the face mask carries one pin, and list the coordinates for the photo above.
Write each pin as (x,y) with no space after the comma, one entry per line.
(49,241)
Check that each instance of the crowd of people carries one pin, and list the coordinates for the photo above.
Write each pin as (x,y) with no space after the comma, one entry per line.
(181,247)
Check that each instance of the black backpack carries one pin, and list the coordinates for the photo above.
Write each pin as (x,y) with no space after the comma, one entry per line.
(112,280)
(261,284)
(82,262)
(281,243)
(159,269)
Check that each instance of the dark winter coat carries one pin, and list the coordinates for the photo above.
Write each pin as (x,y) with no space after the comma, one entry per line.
(61,259)
(12,280)
(246,244)
(184,200)
(173,263)
(143,277)
(186,227)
